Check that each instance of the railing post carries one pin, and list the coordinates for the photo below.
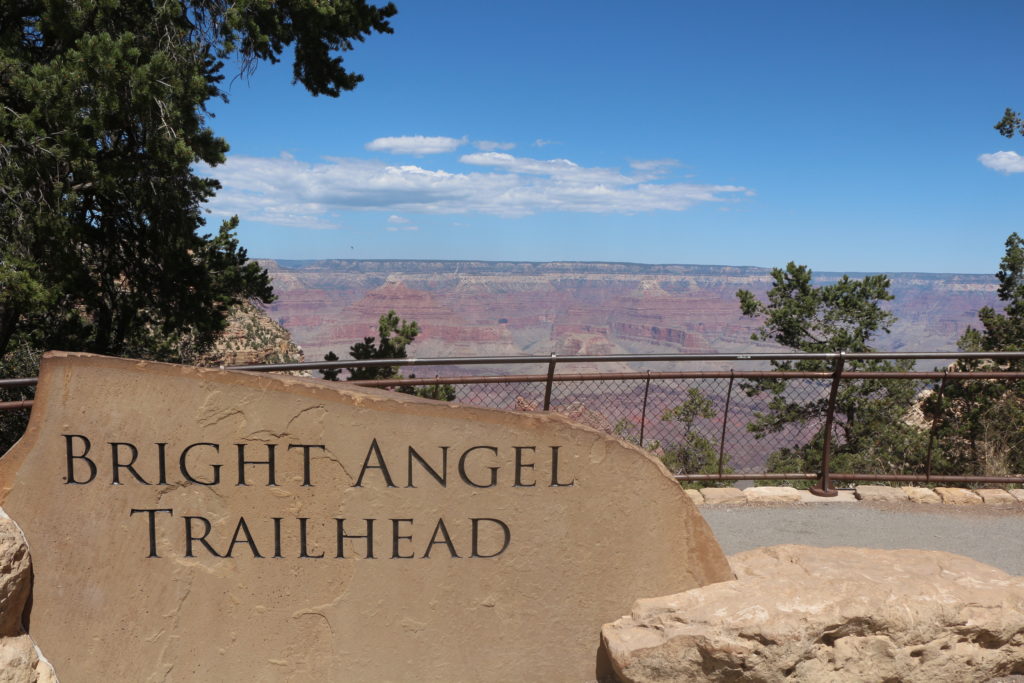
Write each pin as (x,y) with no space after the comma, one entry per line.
(643,410)
(935,426)
(823,488)
(725,421)
(551,379)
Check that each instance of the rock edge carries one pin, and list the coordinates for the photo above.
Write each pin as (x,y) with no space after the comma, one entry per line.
(20,659)
(830,614)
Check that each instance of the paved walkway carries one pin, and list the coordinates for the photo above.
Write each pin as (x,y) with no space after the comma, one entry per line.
(995,537)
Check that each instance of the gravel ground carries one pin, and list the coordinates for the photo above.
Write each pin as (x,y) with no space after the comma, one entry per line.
(992,536)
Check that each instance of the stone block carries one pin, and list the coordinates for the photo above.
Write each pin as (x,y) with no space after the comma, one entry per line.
(727,495)
(772,494)
(1017,493)
(694,495)
(881,494)
(997,498)
(958,496)
(921,494)
(199,524)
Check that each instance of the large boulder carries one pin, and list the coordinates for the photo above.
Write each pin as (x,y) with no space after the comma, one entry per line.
(799,613)
(15,576)
(20,661)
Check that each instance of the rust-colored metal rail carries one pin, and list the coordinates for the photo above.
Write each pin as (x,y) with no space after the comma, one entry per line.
(693,374)
(822,489)
(910,478)
(604,376)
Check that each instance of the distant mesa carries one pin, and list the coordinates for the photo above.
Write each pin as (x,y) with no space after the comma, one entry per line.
(579,308)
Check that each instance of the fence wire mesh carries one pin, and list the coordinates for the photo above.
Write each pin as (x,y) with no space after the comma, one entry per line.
(732,424)
(745,424)
(685,421)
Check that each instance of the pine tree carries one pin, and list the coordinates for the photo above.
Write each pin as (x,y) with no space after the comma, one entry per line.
(102,124)
(331,374)
(869,413)
(394,335)
(694,452)
(982,422)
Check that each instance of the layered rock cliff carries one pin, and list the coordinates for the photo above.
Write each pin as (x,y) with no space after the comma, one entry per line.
(251,337)
(469,308)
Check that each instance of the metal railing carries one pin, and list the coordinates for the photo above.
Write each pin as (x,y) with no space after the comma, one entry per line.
(638,406)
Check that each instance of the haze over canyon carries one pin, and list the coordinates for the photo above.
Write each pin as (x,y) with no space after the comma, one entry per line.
(473,308)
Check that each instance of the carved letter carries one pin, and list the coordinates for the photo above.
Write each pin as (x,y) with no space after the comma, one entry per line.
(115,446)
(152,525)
(183,465)
(305,459)
(381,465)
(303,549)
(441,479)
(161,457)
(476,536)
(447,540)
(70,479)
(269,462)
(494,470)
(396,537)
(242,528)
(189,537)
(342,536)
(277,536)
(520,465)
(554,469)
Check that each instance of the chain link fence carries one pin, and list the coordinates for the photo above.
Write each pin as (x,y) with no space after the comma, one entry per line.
(797,427)
(704,427)
(711,426)
(722,426)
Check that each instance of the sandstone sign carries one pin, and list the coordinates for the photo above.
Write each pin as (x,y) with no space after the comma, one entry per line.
(189,524)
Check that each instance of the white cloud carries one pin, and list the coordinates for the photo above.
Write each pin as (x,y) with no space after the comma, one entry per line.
(654,165)
(415,144)
(286,191)
(1004,162)
(519,164)
(490,145)
(540,142)
(399,224)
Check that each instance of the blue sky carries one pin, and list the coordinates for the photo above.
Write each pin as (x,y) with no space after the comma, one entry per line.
(847,136)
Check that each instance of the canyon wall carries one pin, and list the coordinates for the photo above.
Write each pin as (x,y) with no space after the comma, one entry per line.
(470,308)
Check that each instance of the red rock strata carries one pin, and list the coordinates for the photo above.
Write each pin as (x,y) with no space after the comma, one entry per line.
(487,308)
